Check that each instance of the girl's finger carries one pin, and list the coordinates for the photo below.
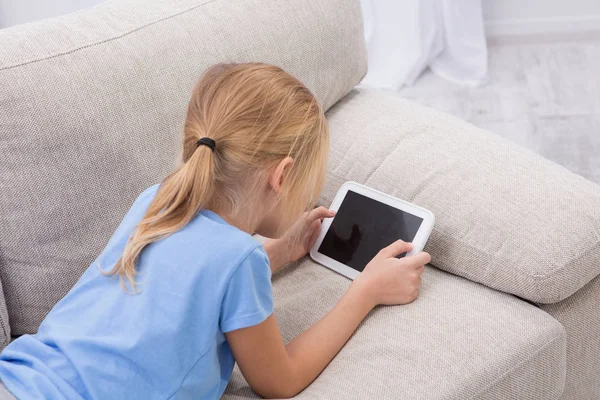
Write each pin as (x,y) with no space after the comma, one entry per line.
(394,249)
(420,269)
(319,213)
(418,260)
(316,224)
(315,234)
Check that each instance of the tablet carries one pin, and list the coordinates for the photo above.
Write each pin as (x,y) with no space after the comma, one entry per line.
(366,221)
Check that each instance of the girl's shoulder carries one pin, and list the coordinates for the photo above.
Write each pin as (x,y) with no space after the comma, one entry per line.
(146,196)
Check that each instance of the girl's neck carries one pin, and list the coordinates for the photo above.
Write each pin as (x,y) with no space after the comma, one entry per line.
(256,206)
(241,222)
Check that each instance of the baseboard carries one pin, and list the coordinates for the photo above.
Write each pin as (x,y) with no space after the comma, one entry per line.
(543,29)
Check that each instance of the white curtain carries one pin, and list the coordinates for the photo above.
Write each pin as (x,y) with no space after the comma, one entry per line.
(404,37)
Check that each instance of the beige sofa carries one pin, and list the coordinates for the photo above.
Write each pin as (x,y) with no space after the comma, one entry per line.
(91,112)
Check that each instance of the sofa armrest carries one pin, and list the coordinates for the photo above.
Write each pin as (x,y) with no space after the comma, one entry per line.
(505,217)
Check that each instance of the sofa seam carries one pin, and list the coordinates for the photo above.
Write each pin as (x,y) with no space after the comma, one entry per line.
(521,364)
(557,273)
(559,268)
(3,323)
(99,42)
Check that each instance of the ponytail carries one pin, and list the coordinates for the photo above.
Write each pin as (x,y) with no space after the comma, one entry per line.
(181,195)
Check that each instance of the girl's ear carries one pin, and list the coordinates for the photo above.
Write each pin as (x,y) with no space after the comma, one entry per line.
(280,173)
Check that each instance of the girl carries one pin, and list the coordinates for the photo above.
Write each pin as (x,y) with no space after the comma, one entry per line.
(195,287)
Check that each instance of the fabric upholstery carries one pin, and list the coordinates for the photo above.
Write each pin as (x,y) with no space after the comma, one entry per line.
(5,394)
(4,322)
(505,217)
(580,315)
(93,105)
(458,340)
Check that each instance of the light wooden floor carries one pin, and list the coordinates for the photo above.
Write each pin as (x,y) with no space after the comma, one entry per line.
(543,96)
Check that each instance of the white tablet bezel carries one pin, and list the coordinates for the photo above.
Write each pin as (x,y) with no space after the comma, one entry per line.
(418,242)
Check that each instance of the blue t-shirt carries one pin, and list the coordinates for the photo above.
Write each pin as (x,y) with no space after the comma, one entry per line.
(167,342)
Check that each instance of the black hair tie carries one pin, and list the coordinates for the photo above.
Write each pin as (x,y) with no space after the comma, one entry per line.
(206,142)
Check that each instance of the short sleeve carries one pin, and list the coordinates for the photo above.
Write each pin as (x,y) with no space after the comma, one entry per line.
(248,299)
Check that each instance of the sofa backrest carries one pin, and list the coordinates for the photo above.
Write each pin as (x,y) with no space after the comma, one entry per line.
(92,107)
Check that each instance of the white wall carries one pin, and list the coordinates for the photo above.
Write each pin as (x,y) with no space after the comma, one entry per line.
(535,17)
(13,12)
(502,17)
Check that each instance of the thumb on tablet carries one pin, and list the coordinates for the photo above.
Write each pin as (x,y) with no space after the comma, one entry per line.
(396,248)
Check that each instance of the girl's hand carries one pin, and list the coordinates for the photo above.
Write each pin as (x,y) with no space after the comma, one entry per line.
(299,239)
(389,280)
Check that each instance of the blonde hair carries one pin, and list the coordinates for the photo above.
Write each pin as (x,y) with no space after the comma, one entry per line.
(257,114)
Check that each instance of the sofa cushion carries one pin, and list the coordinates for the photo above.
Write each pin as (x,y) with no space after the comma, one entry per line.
(93,105)
(505,217)
(458,340)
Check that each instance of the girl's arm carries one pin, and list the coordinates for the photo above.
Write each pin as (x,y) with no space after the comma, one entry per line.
(276,250)
(275,370)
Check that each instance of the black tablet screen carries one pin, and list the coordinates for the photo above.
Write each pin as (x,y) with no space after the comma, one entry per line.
(362,227)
